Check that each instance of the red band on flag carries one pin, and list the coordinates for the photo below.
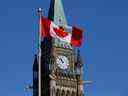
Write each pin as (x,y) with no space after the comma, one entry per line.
(76,36)
(45,27)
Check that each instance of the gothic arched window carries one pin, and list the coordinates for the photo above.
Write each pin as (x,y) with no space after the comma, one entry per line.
(57,92)
(63,93)
(68,93)
(73,94)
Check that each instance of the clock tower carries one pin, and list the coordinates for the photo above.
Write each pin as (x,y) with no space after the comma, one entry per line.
(61,64)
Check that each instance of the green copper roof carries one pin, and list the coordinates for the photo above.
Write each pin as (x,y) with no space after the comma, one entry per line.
(56,13)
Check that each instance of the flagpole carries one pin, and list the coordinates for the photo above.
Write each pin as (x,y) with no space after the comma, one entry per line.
(39,12)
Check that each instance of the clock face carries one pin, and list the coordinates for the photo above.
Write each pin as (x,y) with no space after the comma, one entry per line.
(62,62)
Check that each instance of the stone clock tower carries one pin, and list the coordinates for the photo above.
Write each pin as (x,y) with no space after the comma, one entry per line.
(61,64)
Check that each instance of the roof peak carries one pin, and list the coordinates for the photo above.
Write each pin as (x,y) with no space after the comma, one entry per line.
(56,13)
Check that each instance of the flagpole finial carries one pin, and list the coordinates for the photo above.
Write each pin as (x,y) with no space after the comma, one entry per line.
(39,11)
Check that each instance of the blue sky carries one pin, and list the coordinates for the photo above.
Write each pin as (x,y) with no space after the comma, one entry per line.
(105,51)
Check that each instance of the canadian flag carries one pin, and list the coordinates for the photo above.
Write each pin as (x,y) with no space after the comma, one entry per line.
(49,29)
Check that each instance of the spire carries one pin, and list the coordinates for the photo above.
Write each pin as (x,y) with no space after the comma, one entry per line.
(35,64)
(79,61)
(51,10)
(56,13)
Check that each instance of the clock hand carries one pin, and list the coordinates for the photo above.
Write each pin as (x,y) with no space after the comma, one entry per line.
(61,60)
